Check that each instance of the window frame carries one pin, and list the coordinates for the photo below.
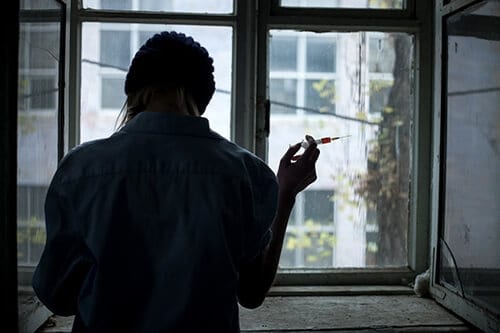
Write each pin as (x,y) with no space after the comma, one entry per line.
(25,271)
(250,105)
(442,293)
(413,19)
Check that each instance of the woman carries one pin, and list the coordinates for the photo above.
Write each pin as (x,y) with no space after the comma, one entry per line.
(165,226)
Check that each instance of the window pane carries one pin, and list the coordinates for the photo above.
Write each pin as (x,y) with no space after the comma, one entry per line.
(285,94)
(101,103)
(186,6)
(310,238)
(356,213)
(112,94)
(470,228)
(320,95)
(39,4)
(44,47)
(43,93)
(379,95)
(373,4)
(319,206)
(283,53)
(321,55)
(37,133)
(382,54)
(115,48)
(114,4)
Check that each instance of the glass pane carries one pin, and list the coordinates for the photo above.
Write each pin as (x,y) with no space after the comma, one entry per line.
(37,139)
(356,213)
(321,54)
(382,53)
(176,6)
(320,95)
(284,92)
(105,65)
(366,4)
(112,96)
(283,53)
(472,163)
(115,48)
(43,92)
(379,95)
(42,42)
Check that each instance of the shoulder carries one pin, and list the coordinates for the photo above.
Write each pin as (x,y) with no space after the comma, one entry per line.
(251,164)
(82,158)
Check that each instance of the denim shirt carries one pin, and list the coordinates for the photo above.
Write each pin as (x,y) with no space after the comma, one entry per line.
(147,229)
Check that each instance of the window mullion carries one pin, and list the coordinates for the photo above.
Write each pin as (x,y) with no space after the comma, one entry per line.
(73,72)
(245,49)
(262,110)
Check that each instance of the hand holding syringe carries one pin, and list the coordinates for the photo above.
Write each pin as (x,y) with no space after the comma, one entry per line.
(304,144)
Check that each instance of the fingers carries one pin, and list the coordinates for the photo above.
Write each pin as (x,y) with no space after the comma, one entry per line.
(287,157)
(314,156)
(312,152)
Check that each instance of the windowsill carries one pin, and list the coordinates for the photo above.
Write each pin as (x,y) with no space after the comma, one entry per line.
(32,313)
(323,308)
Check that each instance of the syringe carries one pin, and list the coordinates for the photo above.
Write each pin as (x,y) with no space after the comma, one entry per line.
(304,144)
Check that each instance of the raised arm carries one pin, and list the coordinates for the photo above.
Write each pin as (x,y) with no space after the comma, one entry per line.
(293,176)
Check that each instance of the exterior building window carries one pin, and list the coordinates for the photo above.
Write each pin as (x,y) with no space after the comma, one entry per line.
(31,223)
(115,48)
(310,238)
(116,4)
(381,58)
(112,95)
(43,93)
(301,66)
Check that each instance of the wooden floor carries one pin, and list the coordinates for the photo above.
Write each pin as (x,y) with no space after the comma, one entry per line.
(358,313)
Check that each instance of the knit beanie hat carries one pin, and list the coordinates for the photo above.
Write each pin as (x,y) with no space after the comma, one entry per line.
(173,58)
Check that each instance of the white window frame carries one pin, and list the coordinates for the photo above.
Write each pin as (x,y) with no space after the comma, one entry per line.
(250,111)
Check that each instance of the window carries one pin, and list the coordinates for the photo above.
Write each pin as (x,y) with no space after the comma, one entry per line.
(116,4)
(302,64)
(466,228)
(112,95)
(115,48)
(310,238)
(392,4)
(31,223)
(178,6)
(322,90)
(381,61)
(38,115)
(107,62)
(321,55)
(43,93)
(323,75)
(38,61)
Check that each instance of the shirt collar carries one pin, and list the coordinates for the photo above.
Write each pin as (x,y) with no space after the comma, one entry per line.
(168,123)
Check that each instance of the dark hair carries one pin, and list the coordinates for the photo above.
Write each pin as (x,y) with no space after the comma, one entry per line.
(173,59)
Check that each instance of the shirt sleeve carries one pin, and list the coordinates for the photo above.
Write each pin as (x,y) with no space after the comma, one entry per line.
(261,210)
(64,263)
